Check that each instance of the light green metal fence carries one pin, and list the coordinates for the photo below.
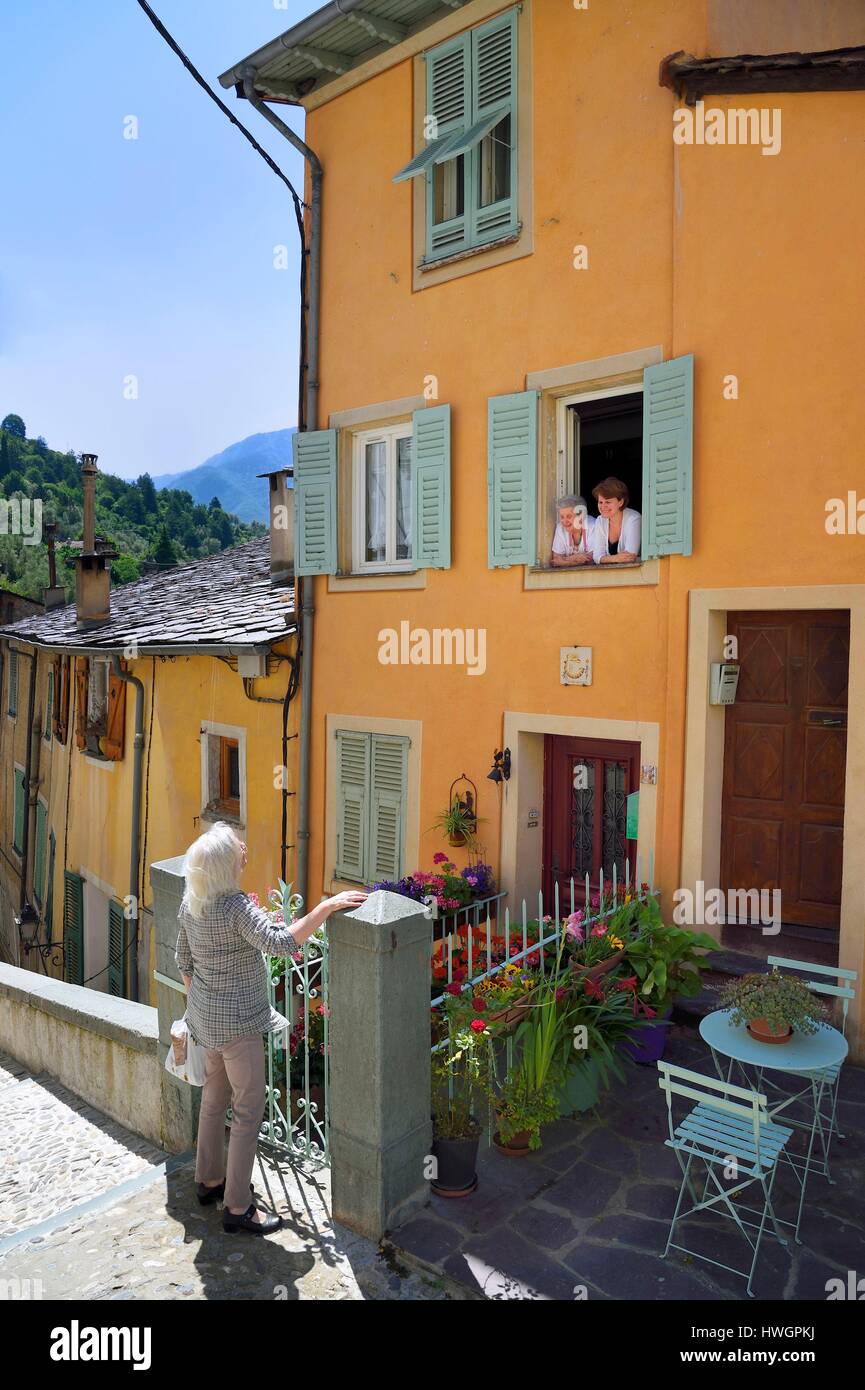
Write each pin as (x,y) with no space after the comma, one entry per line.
(296,1115)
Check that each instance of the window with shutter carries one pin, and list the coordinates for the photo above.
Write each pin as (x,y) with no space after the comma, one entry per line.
(431,488)
(314,502)
(469,162)
(118,943)
(73,928)
(353,759)
(49,706)
(383,499)
(20,810)
(39,853)
(388,769)
(372,780)
(48,915)
(512,479)
(13,684)
(112,740)
(668,425)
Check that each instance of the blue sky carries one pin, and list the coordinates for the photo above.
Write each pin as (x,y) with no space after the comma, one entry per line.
(152,257)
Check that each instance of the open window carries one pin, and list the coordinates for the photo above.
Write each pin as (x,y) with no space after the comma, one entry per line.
(600,435)
(223,773)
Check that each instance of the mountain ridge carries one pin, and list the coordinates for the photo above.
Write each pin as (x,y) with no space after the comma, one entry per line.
(231,475)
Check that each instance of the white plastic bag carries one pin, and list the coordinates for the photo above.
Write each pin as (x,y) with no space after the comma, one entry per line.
(185,1059)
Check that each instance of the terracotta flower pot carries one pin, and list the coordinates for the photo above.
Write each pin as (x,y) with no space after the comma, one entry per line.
(591,972)
(762,1031)
(515,1147)
(514,1012)
(457,838)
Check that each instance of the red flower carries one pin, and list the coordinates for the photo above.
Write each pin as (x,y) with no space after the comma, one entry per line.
(561,993)
(461,973)
(479,1004)
(440,858)
(593,989)
(454,989)
(477,1025)
(629,983)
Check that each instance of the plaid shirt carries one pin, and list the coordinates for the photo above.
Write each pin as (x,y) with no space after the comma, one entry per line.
(223,951)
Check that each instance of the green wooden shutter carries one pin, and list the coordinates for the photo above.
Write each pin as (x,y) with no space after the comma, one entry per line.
(512,479)
(20,804)
(13,682)
(39,859)
(49,706)
(449,103)
(315,502)
(431,488)
(118,941)
(352,773)
(494,92)
(388,792)
(73,928)
(668,452)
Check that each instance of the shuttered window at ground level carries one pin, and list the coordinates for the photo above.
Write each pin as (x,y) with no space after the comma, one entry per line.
(469,162)
(73,928)
(372,778)
(118,943)
(513,463)
(20,810)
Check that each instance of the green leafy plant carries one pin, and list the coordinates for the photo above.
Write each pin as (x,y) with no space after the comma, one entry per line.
(458,823)
(666,960)
(461,1071)
(784,1001)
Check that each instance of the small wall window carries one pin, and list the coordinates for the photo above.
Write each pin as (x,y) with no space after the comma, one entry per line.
(382,486)
(223,773)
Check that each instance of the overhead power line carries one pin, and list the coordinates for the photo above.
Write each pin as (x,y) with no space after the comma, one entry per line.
(299,204)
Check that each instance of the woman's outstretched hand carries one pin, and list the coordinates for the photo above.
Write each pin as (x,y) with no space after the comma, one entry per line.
(345,902)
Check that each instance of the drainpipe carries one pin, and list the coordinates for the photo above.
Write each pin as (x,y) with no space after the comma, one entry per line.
(135,846)
(28,775)
(309,422)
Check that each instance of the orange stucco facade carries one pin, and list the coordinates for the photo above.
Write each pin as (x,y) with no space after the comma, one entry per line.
(750,262)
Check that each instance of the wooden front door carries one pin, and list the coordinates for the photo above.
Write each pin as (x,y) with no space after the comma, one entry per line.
(586,784)
(785,755)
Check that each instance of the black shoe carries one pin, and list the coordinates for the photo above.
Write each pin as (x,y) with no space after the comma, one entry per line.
(247,1222)
(206,1195)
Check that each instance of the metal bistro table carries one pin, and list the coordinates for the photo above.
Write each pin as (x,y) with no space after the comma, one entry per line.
(807,1057)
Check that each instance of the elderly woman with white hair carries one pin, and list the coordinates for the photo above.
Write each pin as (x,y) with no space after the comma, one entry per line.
(572,541)
(221,944)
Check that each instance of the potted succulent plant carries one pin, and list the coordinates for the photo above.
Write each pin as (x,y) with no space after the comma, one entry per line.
(459,822)
(773,1007)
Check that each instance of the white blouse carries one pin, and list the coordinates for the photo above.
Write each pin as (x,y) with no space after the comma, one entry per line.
(563,541)
(629,538)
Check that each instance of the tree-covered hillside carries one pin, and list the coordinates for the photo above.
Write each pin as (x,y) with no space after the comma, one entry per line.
(140,522)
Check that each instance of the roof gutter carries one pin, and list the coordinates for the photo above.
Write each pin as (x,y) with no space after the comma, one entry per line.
(311,320)
(292,38)
(180,649)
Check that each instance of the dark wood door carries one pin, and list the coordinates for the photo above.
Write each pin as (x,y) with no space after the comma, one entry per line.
(586,785)
(785,752)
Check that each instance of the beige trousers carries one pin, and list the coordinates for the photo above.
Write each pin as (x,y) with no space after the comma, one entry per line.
(232,1073)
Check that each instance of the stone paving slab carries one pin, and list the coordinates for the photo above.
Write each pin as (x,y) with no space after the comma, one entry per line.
(56,1150)
(592,1208)
(162,1244)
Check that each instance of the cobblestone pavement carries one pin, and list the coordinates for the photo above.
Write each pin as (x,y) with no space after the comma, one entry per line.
(159,1242)
(56,1150)
(592,1208)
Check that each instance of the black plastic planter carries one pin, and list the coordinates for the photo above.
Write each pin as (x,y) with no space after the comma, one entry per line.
(456,1160)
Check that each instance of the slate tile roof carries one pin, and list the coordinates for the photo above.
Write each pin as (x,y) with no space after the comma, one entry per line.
(225,600)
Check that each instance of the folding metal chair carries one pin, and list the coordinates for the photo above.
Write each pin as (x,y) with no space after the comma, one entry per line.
(728,1129)
(844,990)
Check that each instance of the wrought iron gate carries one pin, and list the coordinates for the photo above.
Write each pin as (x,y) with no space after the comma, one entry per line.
(298,1056)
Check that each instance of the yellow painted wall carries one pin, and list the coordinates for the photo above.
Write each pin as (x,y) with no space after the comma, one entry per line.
(751,262)
(188,690)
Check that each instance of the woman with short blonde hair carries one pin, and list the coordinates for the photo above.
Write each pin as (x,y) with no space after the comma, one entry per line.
(221,947)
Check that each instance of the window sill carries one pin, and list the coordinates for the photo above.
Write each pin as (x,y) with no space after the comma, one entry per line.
(357,583)
(509,240)
(592,576)
(214,812)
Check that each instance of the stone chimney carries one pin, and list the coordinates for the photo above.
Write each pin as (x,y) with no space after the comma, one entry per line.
(93,571)
(55,595)
(281,525)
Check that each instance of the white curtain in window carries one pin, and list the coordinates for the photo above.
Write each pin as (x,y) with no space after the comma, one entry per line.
(403,498)
(376,501)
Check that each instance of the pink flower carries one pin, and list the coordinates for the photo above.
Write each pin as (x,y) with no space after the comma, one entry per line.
(253,898)
(573,928)
(477,1025)
(440,858)
(472,880)
(600,929)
